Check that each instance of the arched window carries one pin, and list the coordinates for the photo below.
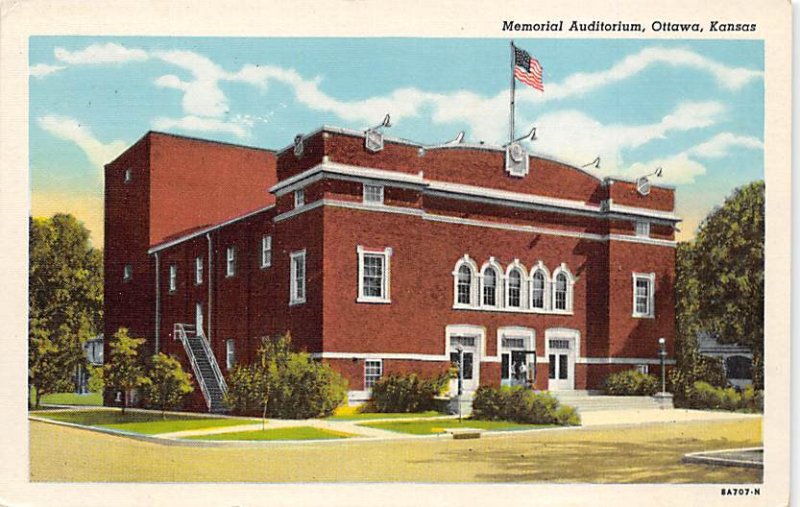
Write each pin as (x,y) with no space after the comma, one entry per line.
(465,281)
(464,285)
(514,289)
(489,286)
(537,290)
(562,289)
(560,293)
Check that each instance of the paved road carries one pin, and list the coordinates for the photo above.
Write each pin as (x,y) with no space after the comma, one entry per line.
(646,454)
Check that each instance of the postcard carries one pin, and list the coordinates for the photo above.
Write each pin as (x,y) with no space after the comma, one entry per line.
(355,252)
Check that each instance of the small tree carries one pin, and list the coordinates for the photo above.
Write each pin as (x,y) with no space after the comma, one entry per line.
(124,370)
(167,384)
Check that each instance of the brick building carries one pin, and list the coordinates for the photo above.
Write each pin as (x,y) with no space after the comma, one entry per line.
(381,255)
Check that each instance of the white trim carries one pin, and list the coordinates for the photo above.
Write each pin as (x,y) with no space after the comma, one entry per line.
(386,254)
(230,354)
(474,283)
(651,296)
(498,284)
(198,270)
(622,360)
(669,216)
(380,374)
(334,168)
(523,285)
(230,261)
(643,241)
(472,222)
(173,278)
(539,266)
(206,230)
(485,359)
(380,189)
(574,337)
(266,247)
(293,275)
(569,296)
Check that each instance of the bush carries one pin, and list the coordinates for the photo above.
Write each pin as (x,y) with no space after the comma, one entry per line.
(630,383)
(693,368)
(704,396)
(285,384)
(167,384)
(521,405)
(406,393)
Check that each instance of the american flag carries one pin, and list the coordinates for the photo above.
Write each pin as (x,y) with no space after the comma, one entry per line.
(527,69)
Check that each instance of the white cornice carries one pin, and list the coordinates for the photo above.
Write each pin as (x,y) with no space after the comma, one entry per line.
(344,170)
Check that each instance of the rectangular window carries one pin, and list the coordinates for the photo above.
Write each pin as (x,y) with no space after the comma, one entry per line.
(373,194)
(373,268)
(297,281)
(266,251)
(552,374)
(643,229)
(198,270)
(128,175)
(373,369)
(173,277)
(643,303)
(299,198)
(230,354)
(643,369)
(127,272)
(230,261)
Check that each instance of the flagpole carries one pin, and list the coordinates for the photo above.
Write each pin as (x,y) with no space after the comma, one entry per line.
(513,86)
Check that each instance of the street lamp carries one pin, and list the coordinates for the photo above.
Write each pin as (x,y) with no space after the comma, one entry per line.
(662,354)
(460,350)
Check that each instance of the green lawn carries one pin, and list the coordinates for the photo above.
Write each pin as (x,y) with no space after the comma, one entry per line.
(147,423)
(296,433)
(439,426)
(93,399)
(366,416)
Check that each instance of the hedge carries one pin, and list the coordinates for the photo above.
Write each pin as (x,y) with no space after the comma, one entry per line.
(521,405)
(406,393)
(630,383)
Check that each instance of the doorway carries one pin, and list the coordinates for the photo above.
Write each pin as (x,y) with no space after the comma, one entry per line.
(561,358)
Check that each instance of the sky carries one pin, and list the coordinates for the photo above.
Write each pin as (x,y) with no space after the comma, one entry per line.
(692,107)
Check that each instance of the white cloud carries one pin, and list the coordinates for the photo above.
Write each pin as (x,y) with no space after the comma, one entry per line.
(100,53)
(574,137)
(719,145)
(43,69)
(69,129)
(240,126)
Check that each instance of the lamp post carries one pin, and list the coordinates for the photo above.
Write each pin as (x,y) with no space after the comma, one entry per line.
(460,350)
(662,354)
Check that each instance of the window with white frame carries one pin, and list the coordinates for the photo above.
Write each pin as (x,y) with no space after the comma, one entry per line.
(230,354)
(297,277)
(299,197)
(373,369)
(230,261)
(643,294)
(128,177)
(373,194)
(489,286)
(173,277)
(538,290)
(373,275)
(198,270)
(514,298)
(643,229)
(266,251)
(562,289)
(464,285)
(127,273)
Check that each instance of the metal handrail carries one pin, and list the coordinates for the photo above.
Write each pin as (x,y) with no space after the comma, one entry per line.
(179,333)
(213,360)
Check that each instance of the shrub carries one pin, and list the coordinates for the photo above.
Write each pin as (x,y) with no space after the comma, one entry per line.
(630,383)
(703,395)
(406,393)
(167,384)
(521,405)
(285,384)
(693,368)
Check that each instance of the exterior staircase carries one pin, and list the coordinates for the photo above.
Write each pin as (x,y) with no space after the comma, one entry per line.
(585,401)
(204,365)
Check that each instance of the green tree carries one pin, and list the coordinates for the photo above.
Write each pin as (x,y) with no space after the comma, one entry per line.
(720,279)
(167,383)
(124,369)
(65,300)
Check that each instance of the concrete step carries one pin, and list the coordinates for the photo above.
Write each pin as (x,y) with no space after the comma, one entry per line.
(592,403)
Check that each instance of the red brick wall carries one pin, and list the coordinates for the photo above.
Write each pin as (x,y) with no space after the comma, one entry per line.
(624,192)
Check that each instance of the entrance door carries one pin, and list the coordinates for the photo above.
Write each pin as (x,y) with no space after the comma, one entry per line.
(198,318)
(562,365)
(470,366)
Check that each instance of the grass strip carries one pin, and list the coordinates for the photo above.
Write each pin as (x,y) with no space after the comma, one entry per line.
(293,433)
(440,426)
